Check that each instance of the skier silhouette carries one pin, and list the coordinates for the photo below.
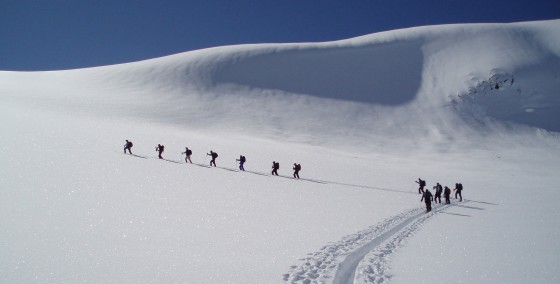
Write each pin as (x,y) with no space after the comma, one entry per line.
(275,167)
(214,155)
(127,146)
(458,189)
(421,184)
(297,168)
(159,149)
(446,194)
(439,190)
(188,154)
(241,161)
(427,197)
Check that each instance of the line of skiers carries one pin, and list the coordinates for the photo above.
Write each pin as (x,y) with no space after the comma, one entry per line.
(188,153)
(427,196)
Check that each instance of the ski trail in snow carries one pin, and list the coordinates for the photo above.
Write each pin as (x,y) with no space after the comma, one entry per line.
(319,181)
(171,161)
(347,268)
(360,257)
(374,267)
(138,156)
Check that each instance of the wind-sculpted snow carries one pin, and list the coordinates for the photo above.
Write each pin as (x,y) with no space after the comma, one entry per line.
(386,74)
(372,90)
(506,98)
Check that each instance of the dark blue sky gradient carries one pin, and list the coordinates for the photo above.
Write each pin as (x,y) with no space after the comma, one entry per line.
(68,34)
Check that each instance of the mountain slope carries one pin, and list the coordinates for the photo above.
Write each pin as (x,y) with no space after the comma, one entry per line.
(400,75)
(365,117)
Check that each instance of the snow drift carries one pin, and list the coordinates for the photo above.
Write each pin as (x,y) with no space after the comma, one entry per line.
(507,72)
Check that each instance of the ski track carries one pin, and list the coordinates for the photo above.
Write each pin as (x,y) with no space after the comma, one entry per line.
(358,258)
(279,176)
(361,257)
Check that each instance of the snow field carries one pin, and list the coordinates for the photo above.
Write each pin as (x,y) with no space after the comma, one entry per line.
(365,117)
(112,217)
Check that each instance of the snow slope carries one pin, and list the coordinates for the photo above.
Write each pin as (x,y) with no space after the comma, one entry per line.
(365,117)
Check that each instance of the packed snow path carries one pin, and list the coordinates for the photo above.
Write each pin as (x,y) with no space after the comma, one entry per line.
(279,176)
(357,258)
(361,257)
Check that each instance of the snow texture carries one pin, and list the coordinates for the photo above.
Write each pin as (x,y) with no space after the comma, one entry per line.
(365,117)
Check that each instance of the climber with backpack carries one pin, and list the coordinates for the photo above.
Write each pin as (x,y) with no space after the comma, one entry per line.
(241,161)
(159,149)
(422,184)
(188,154)
(127,146)
(427,197)
(458,189)
(297,168)
(439,190)
(214,155)
(275,167)
(446,194)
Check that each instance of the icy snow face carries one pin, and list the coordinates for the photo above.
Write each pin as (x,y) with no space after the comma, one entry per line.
(533,99)
(509,73)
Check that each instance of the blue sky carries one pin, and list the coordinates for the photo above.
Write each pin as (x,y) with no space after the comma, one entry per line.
(68,34)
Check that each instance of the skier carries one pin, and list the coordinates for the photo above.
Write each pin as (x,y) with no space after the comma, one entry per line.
(421,183)
(427,197)
(127,146)
(241,161)
(275,167)
(439,190)
(297,168)
(214,155)
(458,189)
(188,154)
(159,149)
(446,194)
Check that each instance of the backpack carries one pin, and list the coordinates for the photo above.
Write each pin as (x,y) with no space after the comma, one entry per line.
(189,152)
(422,183)
(298,167)
(427,195)
(215,155)
(129,144)
(242,159)
(277,166)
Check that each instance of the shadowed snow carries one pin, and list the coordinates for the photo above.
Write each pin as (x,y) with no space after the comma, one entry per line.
(387,74)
